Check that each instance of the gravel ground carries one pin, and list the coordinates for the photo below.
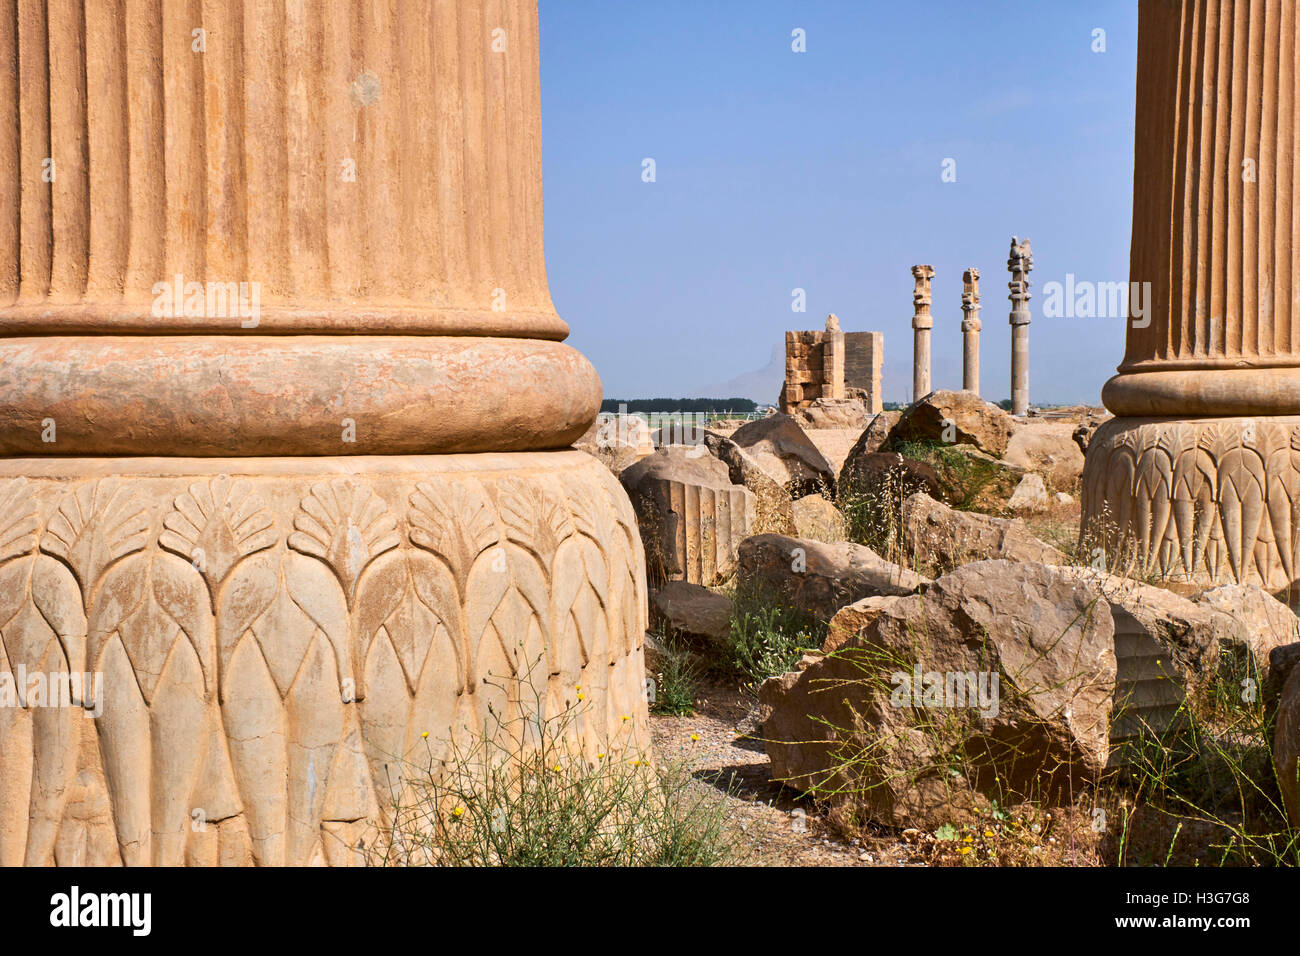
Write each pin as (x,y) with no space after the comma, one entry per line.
(774,831)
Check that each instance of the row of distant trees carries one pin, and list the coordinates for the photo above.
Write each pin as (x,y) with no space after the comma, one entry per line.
(741,405)
(713,405)
(1005,405)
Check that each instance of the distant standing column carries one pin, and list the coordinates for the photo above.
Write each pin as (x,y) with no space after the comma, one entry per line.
(1019,265)
(970,330)
(922,322)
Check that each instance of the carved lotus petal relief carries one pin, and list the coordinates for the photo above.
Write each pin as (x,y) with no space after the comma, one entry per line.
(96,523)
(19,519)
(215,524)
(345,525)
(454,520)
(534,518)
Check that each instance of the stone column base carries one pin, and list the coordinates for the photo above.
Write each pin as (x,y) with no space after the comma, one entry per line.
(272,639)
(1205,500)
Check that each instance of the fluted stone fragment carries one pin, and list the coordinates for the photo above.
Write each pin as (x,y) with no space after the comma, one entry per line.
(691,516)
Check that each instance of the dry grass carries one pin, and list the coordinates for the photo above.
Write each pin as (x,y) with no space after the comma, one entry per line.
(533,791)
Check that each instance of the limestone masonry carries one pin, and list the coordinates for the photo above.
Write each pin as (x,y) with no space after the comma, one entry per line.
(827,364)
(286,407)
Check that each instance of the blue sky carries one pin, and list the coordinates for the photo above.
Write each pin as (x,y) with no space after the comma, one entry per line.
(821,170)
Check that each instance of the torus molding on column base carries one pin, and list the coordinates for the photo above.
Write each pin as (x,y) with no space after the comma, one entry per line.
(291,395)
(1164,390)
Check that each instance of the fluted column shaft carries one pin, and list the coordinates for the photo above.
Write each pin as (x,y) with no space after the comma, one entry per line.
(1214,219)
(332,210)
(368,181)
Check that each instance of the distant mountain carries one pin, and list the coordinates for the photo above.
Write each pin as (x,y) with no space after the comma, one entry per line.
(762,385)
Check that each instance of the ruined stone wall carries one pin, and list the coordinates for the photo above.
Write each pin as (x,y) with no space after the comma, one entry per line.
(863,355)
(826,363)
(808,373)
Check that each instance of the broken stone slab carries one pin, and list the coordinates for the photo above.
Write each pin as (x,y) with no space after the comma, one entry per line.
(833,413)
(834,444)
(1272,630)
(816,577)
(949,417)
(788,455)
(819,519)
(874,435)
(772,505)
(1048,449)
(1286,745)
(1165,647)
(691,517)
(1268,622)
(937,536)
(996,683)
(1030,494)
(694,611)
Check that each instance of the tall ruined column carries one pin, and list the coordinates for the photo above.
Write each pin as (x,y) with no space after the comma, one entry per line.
(1019,264)
(922,323)
(286,411)
(970,330)
(1200,471)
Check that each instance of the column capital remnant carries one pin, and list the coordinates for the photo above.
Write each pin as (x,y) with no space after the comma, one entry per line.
(1020,263)
(970,300)
(921,318)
